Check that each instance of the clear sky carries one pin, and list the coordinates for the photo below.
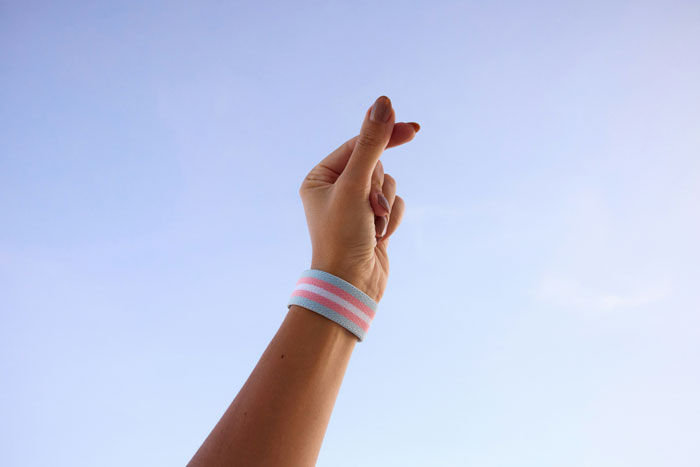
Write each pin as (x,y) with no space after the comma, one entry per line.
(543,306)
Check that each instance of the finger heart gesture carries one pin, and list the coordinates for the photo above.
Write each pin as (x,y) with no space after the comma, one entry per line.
(351,205)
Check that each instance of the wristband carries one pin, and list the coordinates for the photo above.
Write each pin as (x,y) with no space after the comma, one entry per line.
(336,299)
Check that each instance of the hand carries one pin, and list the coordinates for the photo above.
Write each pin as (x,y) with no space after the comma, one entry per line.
(341,196)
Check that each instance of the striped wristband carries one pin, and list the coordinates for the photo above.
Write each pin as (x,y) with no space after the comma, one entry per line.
(336,299)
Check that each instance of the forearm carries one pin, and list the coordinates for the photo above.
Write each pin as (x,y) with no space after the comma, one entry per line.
(280,415)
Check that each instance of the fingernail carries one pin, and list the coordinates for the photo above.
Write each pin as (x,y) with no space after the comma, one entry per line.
(386,225)
(380,224)
(381,110)
(415,126)
(381,199)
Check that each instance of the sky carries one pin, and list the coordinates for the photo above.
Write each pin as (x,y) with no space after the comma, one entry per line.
(543,303)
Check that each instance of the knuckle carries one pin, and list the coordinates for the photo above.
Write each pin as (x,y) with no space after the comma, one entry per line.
(306,183)
(370,140)
(389,181)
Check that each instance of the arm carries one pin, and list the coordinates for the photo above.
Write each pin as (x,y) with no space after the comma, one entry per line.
(279,417)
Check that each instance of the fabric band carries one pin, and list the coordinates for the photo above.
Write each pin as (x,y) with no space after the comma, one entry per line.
(336,299)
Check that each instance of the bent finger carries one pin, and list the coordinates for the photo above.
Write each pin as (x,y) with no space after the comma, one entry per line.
(397,210)
(380,204)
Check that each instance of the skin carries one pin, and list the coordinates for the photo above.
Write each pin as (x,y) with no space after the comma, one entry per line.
(280,415)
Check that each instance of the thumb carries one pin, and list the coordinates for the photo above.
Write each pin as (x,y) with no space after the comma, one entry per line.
(373,139)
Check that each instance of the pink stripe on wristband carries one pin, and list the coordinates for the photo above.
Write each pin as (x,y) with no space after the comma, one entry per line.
(335,299)
(339,292)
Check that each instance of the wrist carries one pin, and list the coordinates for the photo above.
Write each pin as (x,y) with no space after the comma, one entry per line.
(320,326)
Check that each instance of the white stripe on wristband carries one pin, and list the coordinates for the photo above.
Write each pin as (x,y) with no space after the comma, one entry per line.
(335,299)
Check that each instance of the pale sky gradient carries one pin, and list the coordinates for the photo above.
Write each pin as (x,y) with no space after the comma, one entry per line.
(543,306)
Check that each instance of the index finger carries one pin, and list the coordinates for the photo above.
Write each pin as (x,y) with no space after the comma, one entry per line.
(338,159)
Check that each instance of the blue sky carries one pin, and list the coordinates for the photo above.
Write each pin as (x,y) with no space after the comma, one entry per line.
(543,302)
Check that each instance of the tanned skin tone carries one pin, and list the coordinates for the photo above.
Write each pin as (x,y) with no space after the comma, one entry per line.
(280,415)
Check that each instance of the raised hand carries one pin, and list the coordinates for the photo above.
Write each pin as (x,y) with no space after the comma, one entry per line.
(349,222)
